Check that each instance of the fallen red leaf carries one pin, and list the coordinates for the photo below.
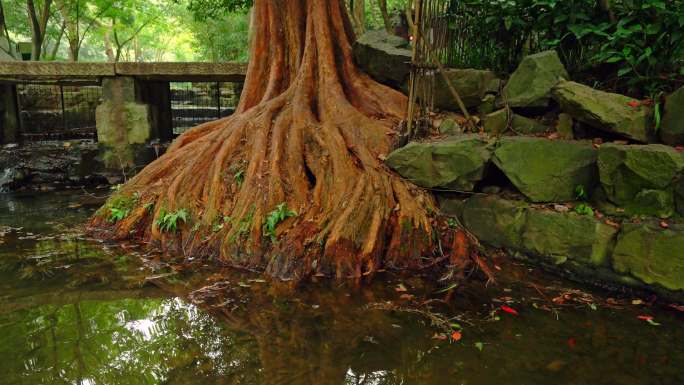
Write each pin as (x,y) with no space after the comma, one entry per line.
(664,224)
(634,103)
(644,317)
(572,343)
(509,310)
(456,336)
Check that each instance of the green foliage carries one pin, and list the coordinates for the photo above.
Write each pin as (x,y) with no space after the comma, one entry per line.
(239,177)
(211,9)
(168,221)
(243,225)
(584,209)
(279,214)
(643,44)
(118,207)
(581,193)
(219,223)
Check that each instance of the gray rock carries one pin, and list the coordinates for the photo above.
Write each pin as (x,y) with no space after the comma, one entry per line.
(457,162)
(672,125)
(386,58)
(640,178)
(531,83)
(547,170)
(497,123)
(564,127)
(471,84)
(605,111)
(652,254)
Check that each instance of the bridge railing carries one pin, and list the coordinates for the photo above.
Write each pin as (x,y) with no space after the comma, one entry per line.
(58,100)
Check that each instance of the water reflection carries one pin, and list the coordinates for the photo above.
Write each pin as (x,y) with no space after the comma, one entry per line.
(91,316)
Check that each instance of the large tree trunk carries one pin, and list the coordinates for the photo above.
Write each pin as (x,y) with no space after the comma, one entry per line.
(310,131)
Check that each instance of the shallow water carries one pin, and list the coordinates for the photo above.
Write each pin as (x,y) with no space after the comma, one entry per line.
(75,311)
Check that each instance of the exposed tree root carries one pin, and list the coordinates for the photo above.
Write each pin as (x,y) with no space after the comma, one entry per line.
(310,132)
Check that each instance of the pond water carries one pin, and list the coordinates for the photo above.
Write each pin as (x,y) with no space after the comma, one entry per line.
(76,311)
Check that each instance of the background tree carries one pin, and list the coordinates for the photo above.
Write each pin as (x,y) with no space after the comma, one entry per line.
(38,15)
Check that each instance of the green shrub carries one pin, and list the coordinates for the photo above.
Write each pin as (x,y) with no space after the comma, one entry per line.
(639,43)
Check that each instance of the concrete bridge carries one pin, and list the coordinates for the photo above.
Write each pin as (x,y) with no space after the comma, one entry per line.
(135,107)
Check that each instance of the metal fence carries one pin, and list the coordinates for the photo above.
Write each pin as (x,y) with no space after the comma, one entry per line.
(200,102)
(57,112)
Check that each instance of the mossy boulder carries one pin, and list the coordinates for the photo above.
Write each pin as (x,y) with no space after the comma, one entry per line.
(531,83)
(563,236)
(495,221)
(457,162)
(497,123)
(605,111)
(672,125)
(652,254)
(385,57)
(547,170)
(471,84)
(640,178)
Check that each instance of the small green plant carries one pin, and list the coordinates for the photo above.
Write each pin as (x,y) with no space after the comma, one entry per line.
(118,207)
(239,177)
(452,222)
(279,214)
(584,209)
(116,214)
(168,221)
(581,193)
(219,223)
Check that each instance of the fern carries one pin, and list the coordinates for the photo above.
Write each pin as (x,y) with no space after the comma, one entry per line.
(168,221)
(279,214)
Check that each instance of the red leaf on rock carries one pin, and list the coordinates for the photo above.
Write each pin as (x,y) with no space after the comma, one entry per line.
(509,310)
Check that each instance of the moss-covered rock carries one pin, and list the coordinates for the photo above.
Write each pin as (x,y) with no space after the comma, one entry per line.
(495,221)
(564,127)
(531,83)
(386,58)
(672,125)
(547,170)
(640,178)
(497,123)
(605,111)
(563,236)
(472,85)
(652,254)
(457,162)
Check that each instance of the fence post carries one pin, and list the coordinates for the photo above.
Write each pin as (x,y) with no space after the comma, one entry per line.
(218,99)
(10,124)
(64,117)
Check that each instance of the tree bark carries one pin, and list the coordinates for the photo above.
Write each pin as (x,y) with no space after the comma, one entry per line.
(310,132)
(72,32)
(358,15)
(55,48)
(387,21)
